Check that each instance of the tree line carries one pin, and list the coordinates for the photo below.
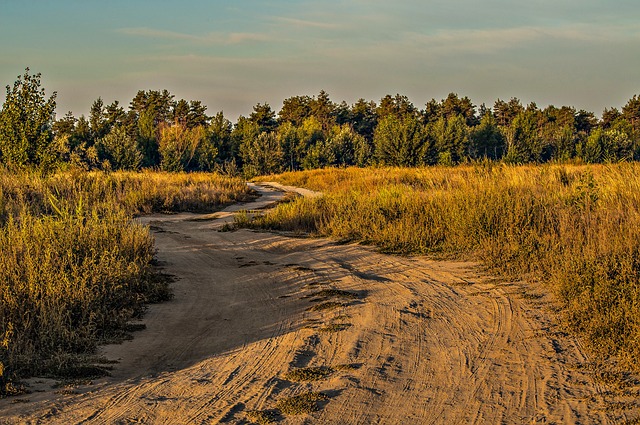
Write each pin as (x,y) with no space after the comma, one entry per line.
(157,131)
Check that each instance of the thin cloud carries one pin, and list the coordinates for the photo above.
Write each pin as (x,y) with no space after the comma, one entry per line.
(210,38)
(302,23)
(493,40)
(154,33)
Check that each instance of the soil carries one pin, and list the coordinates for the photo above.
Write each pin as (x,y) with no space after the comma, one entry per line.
(388,340)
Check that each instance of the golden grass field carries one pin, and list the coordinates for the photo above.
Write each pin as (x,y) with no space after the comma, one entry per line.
(75,267)
(573,228)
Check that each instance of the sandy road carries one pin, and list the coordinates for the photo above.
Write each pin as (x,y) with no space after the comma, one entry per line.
(424,342)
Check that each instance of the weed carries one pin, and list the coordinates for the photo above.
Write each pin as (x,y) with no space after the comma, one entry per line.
(263,417)
(308,374)
(348,366)
(301,404)
(329,293)
(329,305)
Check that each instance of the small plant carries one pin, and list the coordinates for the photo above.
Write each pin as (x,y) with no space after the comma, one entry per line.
(347,366)
(306,374)
(329,293)
(301,404)
(329,305)
(263,417)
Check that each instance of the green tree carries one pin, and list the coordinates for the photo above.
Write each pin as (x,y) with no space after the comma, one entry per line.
(591,150)
(65,126)
(264,117)
(609,116)
(181,112)
(319,155)
(618,146)
(159,103)
(219,132)
(262,155)
(486,140)
(631,112)
(506,112)
(432,112)
(364,119)
(243,132)
(557,129)
(100,127)
(295,110)
(323,109)
(399,106)
(118,150)
(338,149)
(292,147)
(454,106)
(148,139)
(197,115)
(343,142)
(524,143)
(451,139)
(115,115)
(185,149)
(400,142)
(310,133)
(26,119)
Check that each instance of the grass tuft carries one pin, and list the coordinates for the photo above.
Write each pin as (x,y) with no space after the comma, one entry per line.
(301,404)
(330,293)
(329,305)
(263,417)
(306,374)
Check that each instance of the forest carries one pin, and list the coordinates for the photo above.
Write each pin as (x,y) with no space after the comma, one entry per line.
(308,132)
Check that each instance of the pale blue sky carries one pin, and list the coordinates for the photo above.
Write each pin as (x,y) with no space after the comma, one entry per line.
(234,54)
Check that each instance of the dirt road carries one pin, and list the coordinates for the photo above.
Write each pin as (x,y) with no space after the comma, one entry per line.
(398,340)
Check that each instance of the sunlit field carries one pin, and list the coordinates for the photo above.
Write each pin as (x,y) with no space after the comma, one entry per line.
(75,267)
(574,229)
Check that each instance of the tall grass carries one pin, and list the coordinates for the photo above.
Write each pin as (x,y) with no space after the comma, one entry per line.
(575,228)
(75,267)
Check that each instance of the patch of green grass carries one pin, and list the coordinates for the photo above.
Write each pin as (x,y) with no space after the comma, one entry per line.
(306,374)
(301,404)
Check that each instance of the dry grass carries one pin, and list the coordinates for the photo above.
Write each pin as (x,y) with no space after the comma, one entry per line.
(263,417)
(306,374)
(301,404)
(329,305)
(330,293)
(75,267)
(575,228)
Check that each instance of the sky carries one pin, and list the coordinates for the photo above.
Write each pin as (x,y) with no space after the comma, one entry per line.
(232,55)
